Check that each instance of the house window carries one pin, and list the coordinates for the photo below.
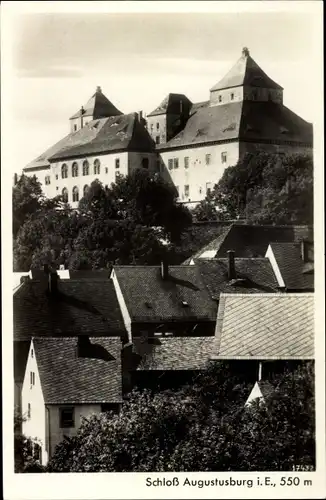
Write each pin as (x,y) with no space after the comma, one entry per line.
(170,164)
(85,190)
(75,194)
(65,195)
(224,157)
(152,128)
(219,98)
(97,167)
(117,163)
(157,126)
(67,417)
(57,177)
(74,169)
(145,162)
(158,165)
(106,170)
(32,378)
(32,353)
(117,175)
(75,128)
(209,187)
(47,180)
(64,171)
(232,97)
(29,410)
(176,162)
(157,139)
(186,190)
(85,168)
(186,161)
(207,159)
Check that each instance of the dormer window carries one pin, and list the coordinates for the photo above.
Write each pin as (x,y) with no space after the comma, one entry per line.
(185,303)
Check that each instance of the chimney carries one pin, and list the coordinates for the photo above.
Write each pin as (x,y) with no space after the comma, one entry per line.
(231,265)
(260,371)
(164,270)
(98,90)
(53,283)
(83,346)
(304,251)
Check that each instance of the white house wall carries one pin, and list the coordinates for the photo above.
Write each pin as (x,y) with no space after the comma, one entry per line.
(56,433)
(270,255)
(198,176)
(35,426)
(122,304)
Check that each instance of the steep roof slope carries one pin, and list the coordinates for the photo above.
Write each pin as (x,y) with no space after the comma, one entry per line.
(67,377)
(98,106)
(246,72)
(79,308)
(296,274)
(171,104)
(252,276)
(180,297)
(265,326)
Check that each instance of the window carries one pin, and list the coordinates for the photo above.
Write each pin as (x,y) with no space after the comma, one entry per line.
(85,190)
(224,157)
(74,169)
(145,162)
(209,187)
(208,159)
(32,353)
(47,180)
(158,165)
(85,168)
(176,162)
(65,195)
(67,417)
(157,126)
(152,128)
(57,177)
(186,162)
(75,194)
(29,410)
(97,167)
(32,378)
(157,139)
(219,98)
(117,175)
(75,128)
(232,97)
(64,171)
(187,191)
(170,164)
(117,163)
(106,170)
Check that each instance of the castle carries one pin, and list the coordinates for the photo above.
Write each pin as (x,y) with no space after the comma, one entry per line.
(189,144)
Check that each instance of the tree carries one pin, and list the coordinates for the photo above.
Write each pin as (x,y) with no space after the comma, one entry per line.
(265,188)
(27,197)
(203,426)
(24,448)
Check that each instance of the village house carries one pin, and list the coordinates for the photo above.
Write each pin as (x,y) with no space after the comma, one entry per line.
(188,144)
(250,240)
(293,265)
(66,380)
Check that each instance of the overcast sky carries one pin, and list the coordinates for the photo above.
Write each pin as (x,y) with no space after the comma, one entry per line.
(137,59)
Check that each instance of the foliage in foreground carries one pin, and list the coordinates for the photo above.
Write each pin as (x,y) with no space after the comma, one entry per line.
(202,427)
(264,189)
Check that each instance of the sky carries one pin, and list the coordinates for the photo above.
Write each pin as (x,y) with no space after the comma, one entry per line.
(58,59)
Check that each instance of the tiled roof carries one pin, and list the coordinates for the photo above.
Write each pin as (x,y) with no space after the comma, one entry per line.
(69,378)
(171,104)
(21,350)
(246,72)
(181,297)
(211,246)
(80,307)
(244,121)
(98,106)
(105,135)
(265,326)
(174,353)
(253,240)
(252,276)
(94,275)
(292,267)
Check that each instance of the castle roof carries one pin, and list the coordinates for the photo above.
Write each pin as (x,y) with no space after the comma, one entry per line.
(245,72)
(105,135)
(98,106)
(171,104)
(242,120)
